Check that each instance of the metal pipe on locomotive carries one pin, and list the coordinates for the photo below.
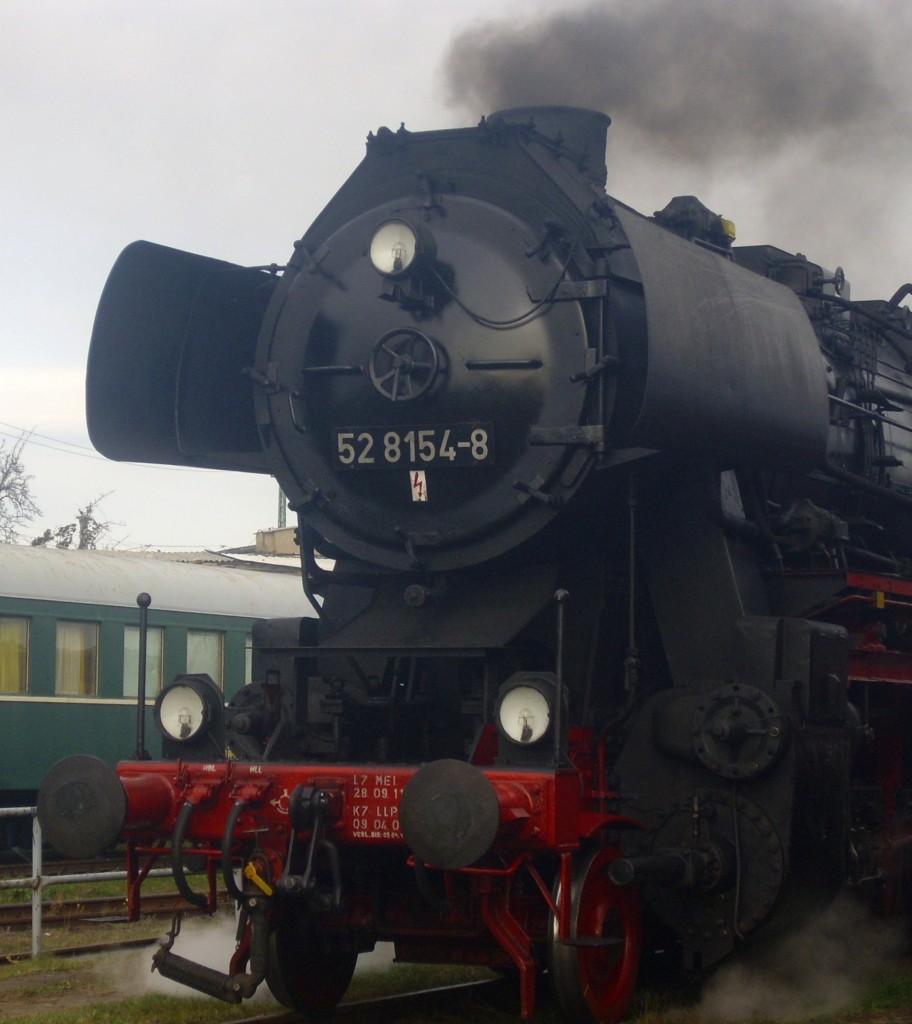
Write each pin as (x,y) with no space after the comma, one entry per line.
(615,650)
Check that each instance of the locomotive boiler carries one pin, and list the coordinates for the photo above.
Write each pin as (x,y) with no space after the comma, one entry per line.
(608,525)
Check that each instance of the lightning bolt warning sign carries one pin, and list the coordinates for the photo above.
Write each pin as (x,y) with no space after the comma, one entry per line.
(419,485)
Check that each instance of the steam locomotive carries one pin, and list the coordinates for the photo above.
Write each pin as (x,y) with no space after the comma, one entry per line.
(615,649)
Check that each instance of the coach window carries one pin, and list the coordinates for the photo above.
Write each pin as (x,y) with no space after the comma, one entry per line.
(13,655)
(154,660)
(205,653)
(77,659)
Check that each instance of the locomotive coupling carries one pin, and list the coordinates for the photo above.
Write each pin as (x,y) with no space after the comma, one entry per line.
(230,988)
(309,808)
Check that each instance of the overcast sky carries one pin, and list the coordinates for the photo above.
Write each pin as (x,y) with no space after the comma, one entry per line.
(223,127)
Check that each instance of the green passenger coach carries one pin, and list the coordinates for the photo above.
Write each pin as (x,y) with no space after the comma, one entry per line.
(69,647)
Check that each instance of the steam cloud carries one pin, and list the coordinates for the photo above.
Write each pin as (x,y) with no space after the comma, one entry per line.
(820,969)
(701,77)
(208,941)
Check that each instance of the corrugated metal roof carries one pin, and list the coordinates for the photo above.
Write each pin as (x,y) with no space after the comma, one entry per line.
(115,579)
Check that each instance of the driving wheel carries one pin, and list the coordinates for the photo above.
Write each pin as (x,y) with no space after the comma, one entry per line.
(593,972)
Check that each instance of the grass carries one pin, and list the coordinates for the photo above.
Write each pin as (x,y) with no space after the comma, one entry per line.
(62,935)
(86,999)
(890,993)
(81,986)
(55,991)
(79,932)
(65,936)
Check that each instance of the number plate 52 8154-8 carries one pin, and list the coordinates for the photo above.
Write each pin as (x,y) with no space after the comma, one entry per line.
(459,444)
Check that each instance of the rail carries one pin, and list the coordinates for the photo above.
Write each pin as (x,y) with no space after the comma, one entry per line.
(38,881)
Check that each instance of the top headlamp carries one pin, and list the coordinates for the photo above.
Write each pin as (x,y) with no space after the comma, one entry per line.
(397,247)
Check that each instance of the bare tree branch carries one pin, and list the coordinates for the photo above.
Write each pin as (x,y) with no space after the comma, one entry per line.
(91,528)
(87,530)
(17,506)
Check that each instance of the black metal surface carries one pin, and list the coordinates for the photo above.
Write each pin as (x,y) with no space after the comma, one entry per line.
(578,135)
(172,336)
(733,364)
(464,617)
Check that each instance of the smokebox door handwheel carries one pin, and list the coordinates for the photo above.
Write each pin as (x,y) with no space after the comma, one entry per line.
(403,366)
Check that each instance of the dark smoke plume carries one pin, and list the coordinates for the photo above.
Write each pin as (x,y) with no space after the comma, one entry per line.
(789,116)
(700,78)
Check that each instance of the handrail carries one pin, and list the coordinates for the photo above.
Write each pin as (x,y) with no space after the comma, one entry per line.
(38,881)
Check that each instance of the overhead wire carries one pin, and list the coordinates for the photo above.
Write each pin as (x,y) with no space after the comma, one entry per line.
(28,436)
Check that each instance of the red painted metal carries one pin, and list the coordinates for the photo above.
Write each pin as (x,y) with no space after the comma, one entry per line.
(868,664)
(851,579)
(490,919)
(876,610)
(149,799)
(539,809)
(875,581)
(500,922)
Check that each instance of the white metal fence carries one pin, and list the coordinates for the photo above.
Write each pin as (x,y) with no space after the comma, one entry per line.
(38,881)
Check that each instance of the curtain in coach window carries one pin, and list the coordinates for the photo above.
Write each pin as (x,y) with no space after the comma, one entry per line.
(13,655)
(205,653)
(154,660)
(77,659)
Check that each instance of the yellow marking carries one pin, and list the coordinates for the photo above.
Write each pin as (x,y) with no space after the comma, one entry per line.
(251,872)
(880,599)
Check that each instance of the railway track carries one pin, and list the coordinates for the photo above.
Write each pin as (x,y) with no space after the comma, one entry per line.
(459,1001)
(67,911)
(13,915)
(74,951)
(17,869)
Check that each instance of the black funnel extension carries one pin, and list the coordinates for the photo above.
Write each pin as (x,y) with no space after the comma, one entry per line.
(583,132)
(173,334)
